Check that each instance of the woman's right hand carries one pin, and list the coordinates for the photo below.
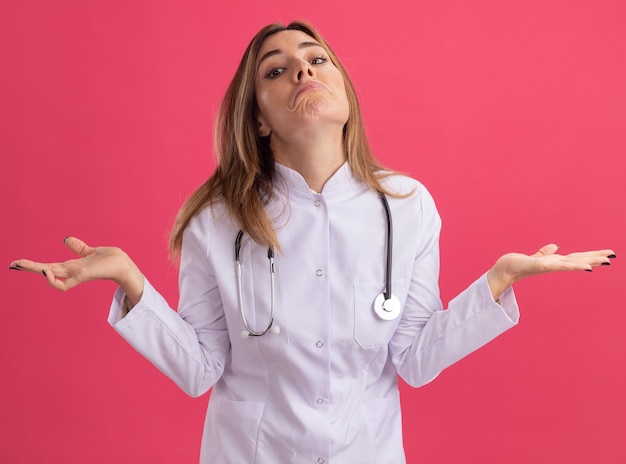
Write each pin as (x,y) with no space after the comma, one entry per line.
(110,263)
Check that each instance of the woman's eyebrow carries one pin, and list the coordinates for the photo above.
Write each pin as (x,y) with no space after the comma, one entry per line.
(278,51)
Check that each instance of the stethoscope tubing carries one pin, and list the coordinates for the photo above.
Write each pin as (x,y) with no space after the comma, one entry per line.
(389,256)
(248,332)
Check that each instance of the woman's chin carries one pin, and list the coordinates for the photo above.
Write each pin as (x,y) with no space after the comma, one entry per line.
(321,110)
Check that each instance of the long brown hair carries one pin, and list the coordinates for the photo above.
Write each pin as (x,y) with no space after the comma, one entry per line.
(243,179)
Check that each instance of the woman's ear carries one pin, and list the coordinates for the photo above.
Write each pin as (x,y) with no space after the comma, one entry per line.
(263,129)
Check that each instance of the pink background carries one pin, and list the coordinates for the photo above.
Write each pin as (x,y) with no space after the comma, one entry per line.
(512,113)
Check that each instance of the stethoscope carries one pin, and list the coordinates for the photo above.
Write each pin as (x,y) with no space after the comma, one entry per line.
(386,305)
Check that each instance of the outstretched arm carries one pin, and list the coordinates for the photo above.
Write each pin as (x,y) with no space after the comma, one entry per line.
(513,267)
(108,263)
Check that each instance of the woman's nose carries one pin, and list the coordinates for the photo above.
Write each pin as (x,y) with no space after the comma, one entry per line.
(305,68)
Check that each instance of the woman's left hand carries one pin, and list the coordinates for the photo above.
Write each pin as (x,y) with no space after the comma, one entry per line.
(513,267)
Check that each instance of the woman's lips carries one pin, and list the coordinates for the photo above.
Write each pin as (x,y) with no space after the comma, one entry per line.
(307,87)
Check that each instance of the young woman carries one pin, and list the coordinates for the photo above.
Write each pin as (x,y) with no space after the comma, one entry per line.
(308,274)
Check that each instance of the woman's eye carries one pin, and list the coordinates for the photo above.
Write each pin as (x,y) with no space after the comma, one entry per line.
(319,60)
(272,73)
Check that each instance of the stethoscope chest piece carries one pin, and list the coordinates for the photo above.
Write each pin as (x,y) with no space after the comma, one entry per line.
(387,309)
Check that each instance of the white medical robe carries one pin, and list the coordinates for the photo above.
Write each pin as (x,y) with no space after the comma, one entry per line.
(324,390)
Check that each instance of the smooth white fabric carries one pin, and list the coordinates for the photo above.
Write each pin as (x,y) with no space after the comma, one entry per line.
(325,389)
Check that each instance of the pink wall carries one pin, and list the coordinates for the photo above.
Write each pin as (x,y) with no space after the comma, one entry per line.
(512,113)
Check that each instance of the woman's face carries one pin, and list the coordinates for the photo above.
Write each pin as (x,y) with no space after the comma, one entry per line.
(297,86)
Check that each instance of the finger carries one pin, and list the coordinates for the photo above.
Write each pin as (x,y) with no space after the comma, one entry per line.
(61,284)
(49,276)
(78,246)
(580,261)
(592,258)
(57,270)
(32,266)
(546,250)
(609,254)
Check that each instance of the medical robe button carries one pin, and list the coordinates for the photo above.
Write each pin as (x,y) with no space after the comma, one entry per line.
(317,203)
(320,461)
(320,401)
(319,344)
(319,273)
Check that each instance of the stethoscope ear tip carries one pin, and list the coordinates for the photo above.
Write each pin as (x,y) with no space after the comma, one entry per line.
(245,334)
(275,330)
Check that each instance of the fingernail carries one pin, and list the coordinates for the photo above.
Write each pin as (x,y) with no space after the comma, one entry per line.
(44,273)
(605,264)
(612,256)
(13,268)
(65,240)
(589,270)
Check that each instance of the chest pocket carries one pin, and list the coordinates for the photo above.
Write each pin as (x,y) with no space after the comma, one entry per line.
(370,331)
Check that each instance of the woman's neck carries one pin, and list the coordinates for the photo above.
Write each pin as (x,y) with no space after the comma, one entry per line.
(316,158)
